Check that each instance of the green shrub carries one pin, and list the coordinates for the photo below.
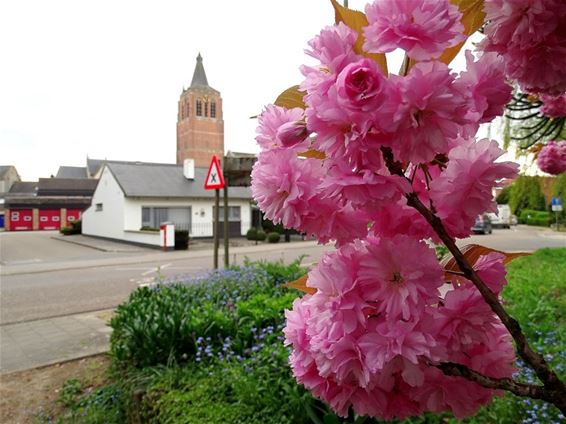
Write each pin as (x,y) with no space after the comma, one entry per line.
(539,218)
(255,234)
(148,228)
(251,234)
(273,237)
(74,228)
(260,236)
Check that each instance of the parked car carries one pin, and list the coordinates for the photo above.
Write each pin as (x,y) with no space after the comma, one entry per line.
(482,225)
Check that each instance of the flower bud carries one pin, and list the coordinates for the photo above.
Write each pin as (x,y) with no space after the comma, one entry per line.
(291,133)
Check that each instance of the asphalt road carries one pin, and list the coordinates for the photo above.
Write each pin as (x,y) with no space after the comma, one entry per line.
(41,277)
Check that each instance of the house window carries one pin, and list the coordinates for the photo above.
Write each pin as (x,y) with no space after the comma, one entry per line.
(199,107)
(233,213)
(98,207)
(206,108)
(213,110)
(187,110)
(154,217)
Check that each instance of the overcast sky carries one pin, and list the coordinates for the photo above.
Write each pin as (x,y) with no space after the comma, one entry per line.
(102,78)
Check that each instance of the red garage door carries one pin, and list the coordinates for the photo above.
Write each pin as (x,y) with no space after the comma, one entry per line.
(73,215)
(21,220)
(49,219)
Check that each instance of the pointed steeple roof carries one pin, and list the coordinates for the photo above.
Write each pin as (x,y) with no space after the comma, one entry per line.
(199,76)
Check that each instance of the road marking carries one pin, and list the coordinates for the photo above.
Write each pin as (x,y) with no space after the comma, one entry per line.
(156,269)
(23,262)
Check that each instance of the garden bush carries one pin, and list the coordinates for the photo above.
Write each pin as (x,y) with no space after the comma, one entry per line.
(538,218)
(251,234)
(260,236)
(273,237)
(74,228)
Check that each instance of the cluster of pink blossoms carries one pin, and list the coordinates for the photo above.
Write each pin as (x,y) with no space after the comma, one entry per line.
(378,324)
(552,157)
(530,35)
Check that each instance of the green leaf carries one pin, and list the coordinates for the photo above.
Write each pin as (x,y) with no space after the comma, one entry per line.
(357,20)
(331,419)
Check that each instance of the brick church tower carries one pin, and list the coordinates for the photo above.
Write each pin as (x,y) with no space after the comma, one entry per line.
(200,127)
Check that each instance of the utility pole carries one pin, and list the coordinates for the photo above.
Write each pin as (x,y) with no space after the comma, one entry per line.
(226,228)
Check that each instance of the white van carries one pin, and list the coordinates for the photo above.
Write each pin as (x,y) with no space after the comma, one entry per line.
(504,214)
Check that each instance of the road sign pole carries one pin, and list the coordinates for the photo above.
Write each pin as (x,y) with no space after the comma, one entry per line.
(226,229)
(216,215)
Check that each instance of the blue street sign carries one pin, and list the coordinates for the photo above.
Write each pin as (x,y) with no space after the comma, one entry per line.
(556,201)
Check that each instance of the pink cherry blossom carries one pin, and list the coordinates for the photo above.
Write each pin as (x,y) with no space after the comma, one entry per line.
(361,87)
(364,189)
(401,275)
(431,112)
(552,157)
(292,133)
(463,190)
(271,121)
(491,270)
(283,185)
(530,36)
(484,83)
(553,106)
(334,47)
(423,28)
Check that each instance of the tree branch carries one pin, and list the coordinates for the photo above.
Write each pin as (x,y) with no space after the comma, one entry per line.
(535,360)
(508,384)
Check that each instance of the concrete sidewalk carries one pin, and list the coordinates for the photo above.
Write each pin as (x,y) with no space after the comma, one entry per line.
(48,341)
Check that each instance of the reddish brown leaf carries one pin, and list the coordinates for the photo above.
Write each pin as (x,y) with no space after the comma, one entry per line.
(301,285)
(472,253)
(357,20)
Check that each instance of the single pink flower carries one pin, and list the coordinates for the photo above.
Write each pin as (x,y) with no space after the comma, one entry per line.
(553,106)
(334,47)
(484,83)
(464,189)
(364,189)
(361,87)
(401,275)
(423,28)
(283,185)
(392,339)
(271,121)
(430,113)
(464,319)
(491,270)
(552,157)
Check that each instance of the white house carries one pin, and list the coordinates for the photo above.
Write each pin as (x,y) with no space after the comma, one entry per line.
(133,197)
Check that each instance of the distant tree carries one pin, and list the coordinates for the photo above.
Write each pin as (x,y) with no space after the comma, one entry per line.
(503,197)
(559,186)
(525,193)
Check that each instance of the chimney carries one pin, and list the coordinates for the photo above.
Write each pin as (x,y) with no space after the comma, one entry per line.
(189,169)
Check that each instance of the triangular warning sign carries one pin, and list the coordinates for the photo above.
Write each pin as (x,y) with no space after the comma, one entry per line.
(214,178)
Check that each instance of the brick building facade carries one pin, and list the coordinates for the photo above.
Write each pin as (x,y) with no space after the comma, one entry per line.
(200,126)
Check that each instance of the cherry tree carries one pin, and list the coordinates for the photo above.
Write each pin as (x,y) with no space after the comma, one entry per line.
(381,163)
